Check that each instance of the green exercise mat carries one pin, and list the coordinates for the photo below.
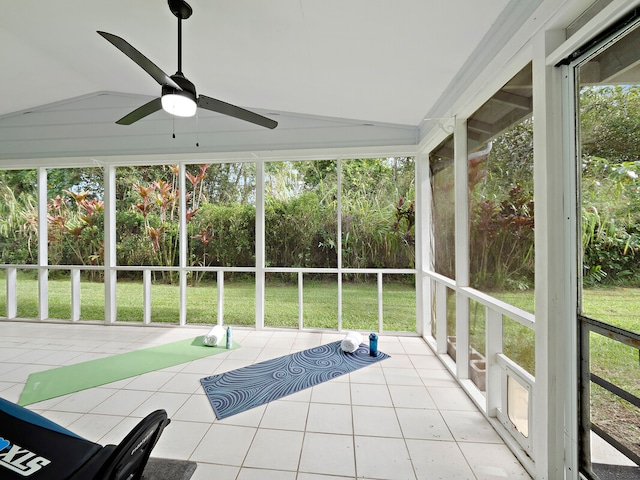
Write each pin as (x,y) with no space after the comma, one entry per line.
(81,376)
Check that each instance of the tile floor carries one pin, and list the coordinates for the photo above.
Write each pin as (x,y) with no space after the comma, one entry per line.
(403,418)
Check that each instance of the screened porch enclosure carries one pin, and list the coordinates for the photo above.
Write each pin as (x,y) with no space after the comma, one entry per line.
(495,223)
(305,244)
(298,244)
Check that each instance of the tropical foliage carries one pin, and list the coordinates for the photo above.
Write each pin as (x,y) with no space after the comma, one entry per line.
(501,212)
(610,120)
(301,215)
(502,203)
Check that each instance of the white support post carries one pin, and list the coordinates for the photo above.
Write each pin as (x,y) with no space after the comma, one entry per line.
(462,336)
(43,246)
(424,295)
(12,292)
(339,237)
(462,246)
(260,244)
(75,294)
(183,297)
(441,317)
(550,247)
(182,244)
(146,296)
(300,301)
(43,293)
(220,286)
(110,273)
(339,300)
(494,371)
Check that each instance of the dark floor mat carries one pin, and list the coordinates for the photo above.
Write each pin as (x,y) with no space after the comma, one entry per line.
(167,469)
(616,472)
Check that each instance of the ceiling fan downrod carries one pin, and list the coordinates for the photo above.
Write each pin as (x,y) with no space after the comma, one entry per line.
(182,10)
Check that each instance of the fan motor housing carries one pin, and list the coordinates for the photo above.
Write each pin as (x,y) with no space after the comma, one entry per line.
(184,83)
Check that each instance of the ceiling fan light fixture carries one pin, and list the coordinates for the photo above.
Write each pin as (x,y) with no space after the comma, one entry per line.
(178,94)
(179,103)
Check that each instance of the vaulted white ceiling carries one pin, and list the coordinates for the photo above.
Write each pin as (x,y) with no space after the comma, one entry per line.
(332,72)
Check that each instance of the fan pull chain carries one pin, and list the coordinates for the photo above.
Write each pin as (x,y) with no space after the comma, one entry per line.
(197,130)
(173,126)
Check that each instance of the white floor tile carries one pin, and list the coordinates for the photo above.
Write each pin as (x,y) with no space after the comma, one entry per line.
(118,433)
(170,402)
(427,361)
(152,381)
(13,393)
(264,474)
(404,417)
(206,471)
(281,415)
(423,424)
(402,376)
(301,396)
(331,392)
(122,402)
(417,348)
(371,374)
(493,462)
(470,427)
(204,367)
(180,439)
(375,421)
(248,418)
(396,465)
(196,408)
(410,396)
(224,444)
(451,398)
(84,400)
(63,419)
(183,383)
(373,395)
(330,418)
(275,449)
(328,454)
(390,347)
(397,361)
(436,378)
(435,460)
(313,476)
(94,427)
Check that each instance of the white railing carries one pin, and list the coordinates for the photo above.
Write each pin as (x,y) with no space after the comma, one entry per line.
(147,271)
(509,388)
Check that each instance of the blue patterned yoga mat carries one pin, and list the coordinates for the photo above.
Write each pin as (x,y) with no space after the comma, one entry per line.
(254,385)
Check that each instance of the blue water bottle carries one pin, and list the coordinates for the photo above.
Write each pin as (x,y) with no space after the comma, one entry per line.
(229,341)
(373,345)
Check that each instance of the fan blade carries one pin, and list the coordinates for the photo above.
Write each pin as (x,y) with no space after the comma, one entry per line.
(146,64)
(233,111)
(141,112)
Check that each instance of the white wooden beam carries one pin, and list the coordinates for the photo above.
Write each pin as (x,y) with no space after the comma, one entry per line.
(550,247)
(461,247)
(43,246)
(110,274)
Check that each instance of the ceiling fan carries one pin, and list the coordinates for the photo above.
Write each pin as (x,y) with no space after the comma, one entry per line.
(178,93)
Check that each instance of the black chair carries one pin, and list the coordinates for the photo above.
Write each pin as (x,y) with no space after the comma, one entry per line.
(33,447)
